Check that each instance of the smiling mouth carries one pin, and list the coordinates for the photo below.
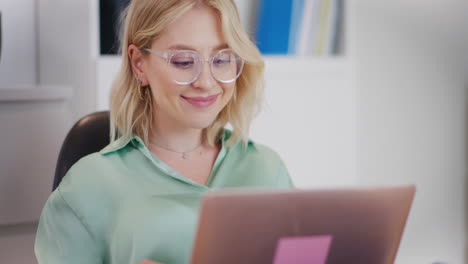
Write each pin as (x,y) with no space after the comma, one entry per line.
(201,102)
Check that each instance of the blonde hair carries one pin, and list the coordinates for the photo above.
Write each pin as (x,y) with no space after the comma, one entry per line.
(145,21)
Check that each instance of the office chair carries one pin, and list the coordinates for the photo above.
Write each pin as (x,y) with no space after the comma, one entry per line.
(90,134)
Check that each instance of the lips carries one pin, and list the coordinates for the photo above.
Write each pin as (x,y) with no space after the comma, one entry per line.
(200,101)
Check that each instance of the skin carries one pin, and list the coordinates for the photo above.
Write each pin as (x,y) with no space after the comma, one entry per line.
(178,125)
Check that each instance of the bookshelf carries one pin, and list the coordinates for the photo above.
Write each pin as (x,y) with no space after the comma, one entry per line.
(310,28)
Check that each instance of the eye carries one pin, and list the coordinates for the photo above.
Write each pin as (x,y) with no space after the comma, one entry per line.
(182,64)
(222,61)
(183,60)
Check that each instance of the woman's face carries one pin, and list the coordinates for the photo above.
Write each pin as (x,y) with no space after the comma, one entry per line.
(194,105)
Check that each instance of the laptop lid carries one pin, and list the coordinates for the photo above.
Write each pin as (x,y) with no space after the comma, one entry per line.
(363,225)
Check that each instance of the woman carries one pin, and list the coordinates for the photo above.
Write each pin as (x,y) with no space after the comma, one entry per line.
(190,70)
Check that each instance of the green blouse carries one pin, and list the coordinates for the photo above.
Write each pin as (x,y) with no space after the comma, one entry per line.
(123,204)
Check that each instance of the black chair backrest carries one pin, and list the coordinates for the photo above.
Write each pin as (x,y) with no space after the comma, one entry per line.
(90,134)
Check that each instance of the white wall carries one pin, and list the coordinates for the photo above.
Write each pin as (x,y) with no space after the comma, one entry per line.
(34,118)
(310,120)
(34,124)
(67,50)
(411,71)
(18,59)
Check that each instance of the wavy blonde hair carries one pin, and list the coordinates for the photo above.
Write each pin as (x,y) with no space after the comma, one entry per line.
(145,21)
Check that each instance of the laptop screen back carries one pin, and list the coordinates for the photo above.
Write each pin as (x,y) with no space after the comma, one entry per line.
(246,226)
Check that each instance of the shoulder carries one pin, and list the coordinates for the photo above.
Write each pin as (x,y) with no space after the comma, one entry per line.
(84,178)
(99,174)
(94,179)
(271,159)
(257,165)
(100,167)
(103,173)
(86,169)
(255,151)
(266,152)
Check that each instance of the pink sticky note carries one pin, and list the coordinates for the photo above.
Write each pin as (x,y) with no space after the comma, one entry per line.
(302,250)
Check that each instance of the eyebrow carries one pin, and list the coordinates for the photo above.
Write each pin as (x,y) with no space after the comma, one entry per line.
(186,47)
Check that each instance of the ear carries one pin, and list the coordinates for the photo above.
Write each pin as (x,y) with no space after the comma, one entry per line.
(137,61)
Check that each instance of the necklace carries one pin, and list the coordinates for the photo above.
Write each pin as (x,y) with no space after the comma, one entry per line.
(184,153)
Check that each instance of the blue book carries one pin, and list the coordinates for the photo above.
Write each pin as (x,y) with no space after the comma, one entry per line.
(273,26)
(296,26)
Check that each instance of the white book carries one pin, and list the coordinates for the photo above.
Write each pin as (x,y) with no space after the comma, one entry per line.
(324,28)
(315,32)
(307,27)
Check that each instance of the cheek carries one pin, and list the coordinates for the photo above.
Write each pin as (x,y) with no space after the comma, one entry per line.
(164,90)
(166,97)
(166,94)
(159,79)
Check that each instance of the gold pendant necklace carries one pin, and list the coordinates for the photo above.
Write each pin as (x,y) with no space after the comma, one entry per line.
(185,154)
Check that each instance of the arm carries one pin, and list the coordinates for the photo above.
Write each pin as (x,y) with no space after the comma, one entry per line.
(283,178)
(62,236)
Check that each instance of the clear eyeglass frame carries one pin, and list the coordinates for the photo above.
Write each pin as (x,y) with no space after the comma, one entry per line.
(168,55)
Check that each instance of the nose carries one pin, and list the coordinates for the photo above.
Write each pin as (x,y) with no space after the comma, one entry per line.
(205,79)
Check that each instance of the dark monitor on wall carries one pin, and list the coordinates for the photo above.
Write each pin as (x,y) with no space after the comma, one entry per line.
(109,25)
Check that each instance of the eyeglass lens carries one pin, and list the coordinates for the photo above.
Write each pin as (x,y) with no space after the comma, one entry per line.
(186,66)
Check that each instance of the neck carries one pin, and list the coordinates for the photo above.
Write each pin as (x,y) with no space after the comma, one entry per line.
(172,136)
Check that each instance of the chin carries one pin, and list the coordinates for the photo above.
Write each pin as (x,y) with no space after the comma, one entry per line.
(201,122)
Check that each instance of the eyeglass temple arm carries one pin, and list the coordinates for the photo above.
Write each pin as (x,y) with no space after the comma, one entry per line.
(157,52)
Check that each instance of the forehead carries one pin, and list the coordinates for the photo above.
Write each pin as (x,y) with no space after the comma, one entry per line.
(199,28)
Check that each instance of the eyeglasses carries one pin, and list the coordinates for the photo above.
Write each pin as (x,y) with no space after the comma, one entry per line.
(186,65)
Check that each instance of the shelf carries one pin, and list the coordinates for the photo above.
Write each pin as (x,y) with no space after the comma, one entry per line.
(34,93)
(305,68)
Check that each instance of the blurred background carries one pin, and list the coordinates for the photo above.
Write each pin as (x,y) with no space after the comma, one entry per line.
(368,92)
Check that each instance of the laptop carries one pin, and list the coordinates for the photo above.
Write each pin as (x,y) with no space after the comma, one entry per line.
(349,225)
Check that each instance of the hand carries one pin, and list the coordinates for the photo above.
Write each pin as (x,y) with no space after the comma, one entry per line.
(147,261)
